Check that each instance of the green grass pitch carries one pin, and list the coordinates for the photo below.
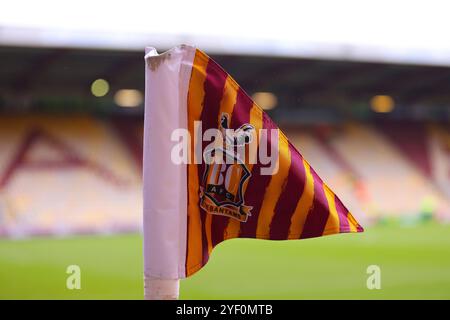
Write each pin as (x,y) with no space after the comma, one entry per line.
(414,262)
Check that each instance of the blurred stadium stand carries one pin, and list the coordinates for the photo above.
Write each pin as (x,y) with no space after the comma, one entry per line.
(66,174)
(70,162)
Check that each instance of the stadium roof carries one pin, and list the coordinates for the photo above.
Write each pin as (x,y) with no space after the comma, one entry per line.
(60,79)
(413,32)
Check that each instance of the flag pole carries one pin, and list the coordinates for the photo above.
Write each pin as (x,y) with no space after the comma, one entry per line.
(167,77)
(161,289)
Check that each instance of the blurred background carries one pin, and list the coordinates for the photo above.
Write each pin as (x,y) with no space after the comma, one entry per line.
(362,90)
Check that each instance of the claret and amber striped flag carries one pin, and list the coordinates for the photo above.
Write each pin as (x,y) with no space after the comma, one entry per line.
(248,181)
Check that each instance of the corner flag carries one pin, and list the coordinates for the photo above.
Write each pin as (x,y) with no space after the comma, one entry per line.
(216,167)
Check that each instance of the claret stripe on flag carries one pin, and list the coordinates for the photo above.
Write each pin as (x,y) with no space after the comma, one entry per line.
(318,216)
(256,187)
(344,225)
(287,203)
(196,93)
(348,222)
(304,204)
(214,88)
(275,188)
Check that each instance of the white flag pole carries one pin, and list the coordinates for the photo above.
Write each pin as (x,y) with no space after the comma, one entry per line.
(161,289)
(164,180)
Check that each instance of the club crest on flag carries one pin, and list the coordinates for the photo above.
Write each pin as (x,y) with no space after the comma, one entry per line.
(221,191)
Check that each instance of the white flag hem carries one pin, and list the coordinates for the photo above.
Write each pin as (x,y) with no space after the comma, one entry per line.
(167,77)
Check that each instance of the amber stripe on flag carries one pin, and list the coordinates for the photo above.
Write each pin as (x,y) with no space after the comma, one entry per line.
(194,256)
(333,224)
